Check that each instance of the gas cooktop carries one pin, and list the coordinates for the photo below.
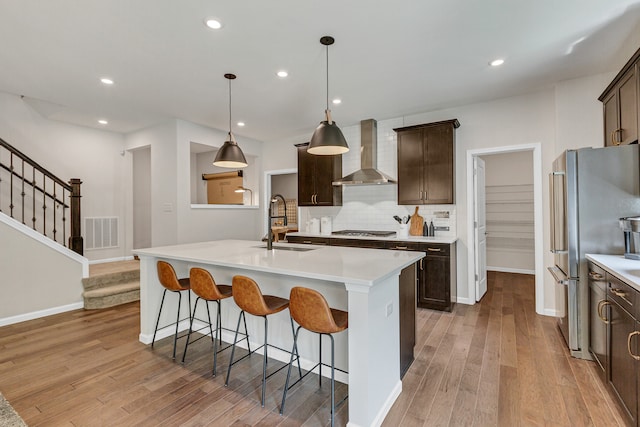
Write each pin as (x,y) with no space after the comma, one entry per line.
(364,233)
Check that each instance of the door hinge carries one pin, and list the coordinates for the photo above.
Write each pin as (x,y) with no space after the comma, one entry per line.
(475,224)
(476,277)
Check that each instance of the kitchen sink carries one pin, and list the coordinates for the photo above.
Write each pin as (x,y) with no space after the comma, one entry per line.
(288,248)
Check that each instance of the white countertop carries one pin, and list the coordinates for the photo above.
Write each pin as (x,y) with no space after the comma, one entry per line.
(332,263)
(393,238)
(627,270)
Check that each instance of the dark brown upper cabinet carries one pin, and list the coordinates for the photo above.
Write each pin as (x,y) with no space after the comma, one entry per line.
(426,159)
(621,105)
(315,177)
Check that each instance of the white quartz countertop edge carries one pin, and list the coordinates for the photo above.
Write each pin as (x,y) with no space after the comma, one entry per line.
(331,263)
(627,270)
(417,239)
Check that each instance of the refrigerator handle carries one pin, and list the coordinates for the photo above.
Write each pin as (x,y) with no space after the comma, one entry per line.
(554,213)
(552,205)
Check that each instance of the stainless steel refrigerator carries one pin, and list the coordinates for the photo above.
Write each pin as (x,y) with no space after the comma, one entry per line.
(590,189)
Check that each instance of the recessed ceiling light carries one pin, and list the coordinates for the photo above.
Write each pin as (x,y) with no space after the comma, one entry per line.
(213,23)
(337,101)
(103,122)
(240,124)
(282,73)
(496,62)
(106,81)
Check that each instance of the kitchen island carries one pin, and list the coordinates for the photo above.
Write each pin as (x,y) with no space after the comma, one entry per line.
(363,281)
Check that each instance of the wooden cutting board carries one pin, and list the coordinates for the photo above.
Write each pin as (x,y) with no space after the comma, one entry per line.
(417,223)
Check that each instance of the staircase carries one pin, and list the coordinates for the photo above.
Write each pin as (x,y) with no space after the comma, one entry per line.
(111,284)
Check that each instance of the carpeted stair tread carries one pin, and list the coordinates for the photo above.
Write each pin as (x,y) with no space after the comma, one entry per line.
(113,295)
(109,279)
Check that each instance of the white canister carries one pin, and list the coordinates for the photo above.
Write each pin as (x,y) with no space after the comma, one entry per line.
(325,225)
(403,232)
(314,226)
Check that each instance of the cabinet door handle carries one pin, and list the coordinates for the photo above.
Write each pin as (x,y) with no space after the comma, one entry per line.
(629,344)
(614,140)
(434,249)
(619,292)
(601,305)
(421,264)
(594,275)
(401,247)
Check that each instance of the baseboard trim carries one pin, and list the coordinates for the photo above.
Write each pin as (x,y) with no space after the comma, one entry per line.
(40,313)
(465,300)
(116,259)
(227,337)
(511,270)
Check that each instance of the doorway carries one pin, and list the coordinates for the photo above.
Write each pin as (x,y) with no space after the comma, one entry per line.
(536,159)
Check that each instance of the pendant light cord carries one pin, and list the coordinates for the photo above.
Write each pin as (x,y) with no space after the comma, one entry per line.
(229,108)
(327,51)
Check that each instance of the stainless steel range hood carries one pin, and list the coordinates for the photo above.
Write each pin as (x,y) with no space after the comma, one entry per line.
(368,173)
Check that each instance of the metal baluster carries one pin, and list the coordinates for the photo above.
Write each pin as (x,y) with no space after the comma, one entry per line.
(11,186)
(64,219)
(1,188)
(23,193)
(54,210)
(33,192)
(44,204)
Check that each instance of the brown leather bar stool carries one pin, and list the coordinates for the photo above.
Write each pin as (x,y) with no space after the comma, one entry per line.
(310,311)
(169,279)
(205,287)
(247,295)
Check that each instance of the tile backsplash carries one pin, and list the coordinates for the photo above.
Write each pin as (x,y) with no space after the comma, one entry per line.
(372,207)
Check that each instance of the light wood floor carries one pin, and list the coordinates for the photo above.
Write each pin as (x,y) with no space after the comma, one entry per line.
(494,363)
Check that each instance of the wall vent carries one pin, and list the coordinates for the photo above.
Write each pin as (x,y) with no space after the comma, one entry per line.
(101,233)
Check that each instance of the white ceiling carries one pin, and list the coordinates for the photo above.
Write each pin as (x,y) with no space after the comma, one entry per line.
(391,58)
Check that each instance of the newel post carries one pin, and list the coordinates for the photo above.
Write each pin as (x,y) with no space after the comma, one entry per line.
(76,243)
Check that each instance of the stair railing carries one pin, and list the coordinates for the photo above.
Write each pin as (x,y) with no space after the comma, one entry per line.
(31,194)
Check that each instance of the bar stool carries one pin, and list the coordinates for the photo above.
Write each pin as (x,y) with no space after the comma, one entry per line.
(203,285)
(247,295)
(169,279)
(310,310)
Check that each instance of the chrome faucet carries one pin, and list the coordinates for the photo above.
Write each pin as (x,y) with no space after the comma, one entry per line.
(271,216)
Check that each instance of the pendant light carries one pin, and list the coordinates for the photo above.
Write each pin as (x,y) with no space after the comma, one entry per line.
(230,155)
(327,139)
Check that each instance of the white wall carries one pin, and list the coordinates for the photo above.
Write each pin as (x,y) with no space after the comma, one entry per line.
(35,278)
(194,224)
(70,151)
(141,197)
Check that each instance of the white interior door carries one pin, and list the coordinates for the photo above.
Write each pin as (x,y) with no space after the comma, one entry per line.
(480,228)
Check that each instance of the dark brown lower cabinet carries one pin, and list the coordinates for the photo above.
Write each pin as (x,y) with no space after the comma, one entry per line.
(623,330)
(406,306)
(622,365)
(598,318)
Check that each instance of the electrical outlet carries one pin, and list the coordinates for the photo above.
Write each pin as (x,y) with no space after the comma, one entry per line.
(389,308)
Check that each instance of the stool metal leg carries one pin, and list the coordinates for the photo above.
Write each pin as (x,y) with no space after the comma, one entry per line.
(215,339)
(184,354)
(286,384)
(233,349)
(264,361)
(158,321)
(295,346)
(320,359)
(175,336)
(333,381)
